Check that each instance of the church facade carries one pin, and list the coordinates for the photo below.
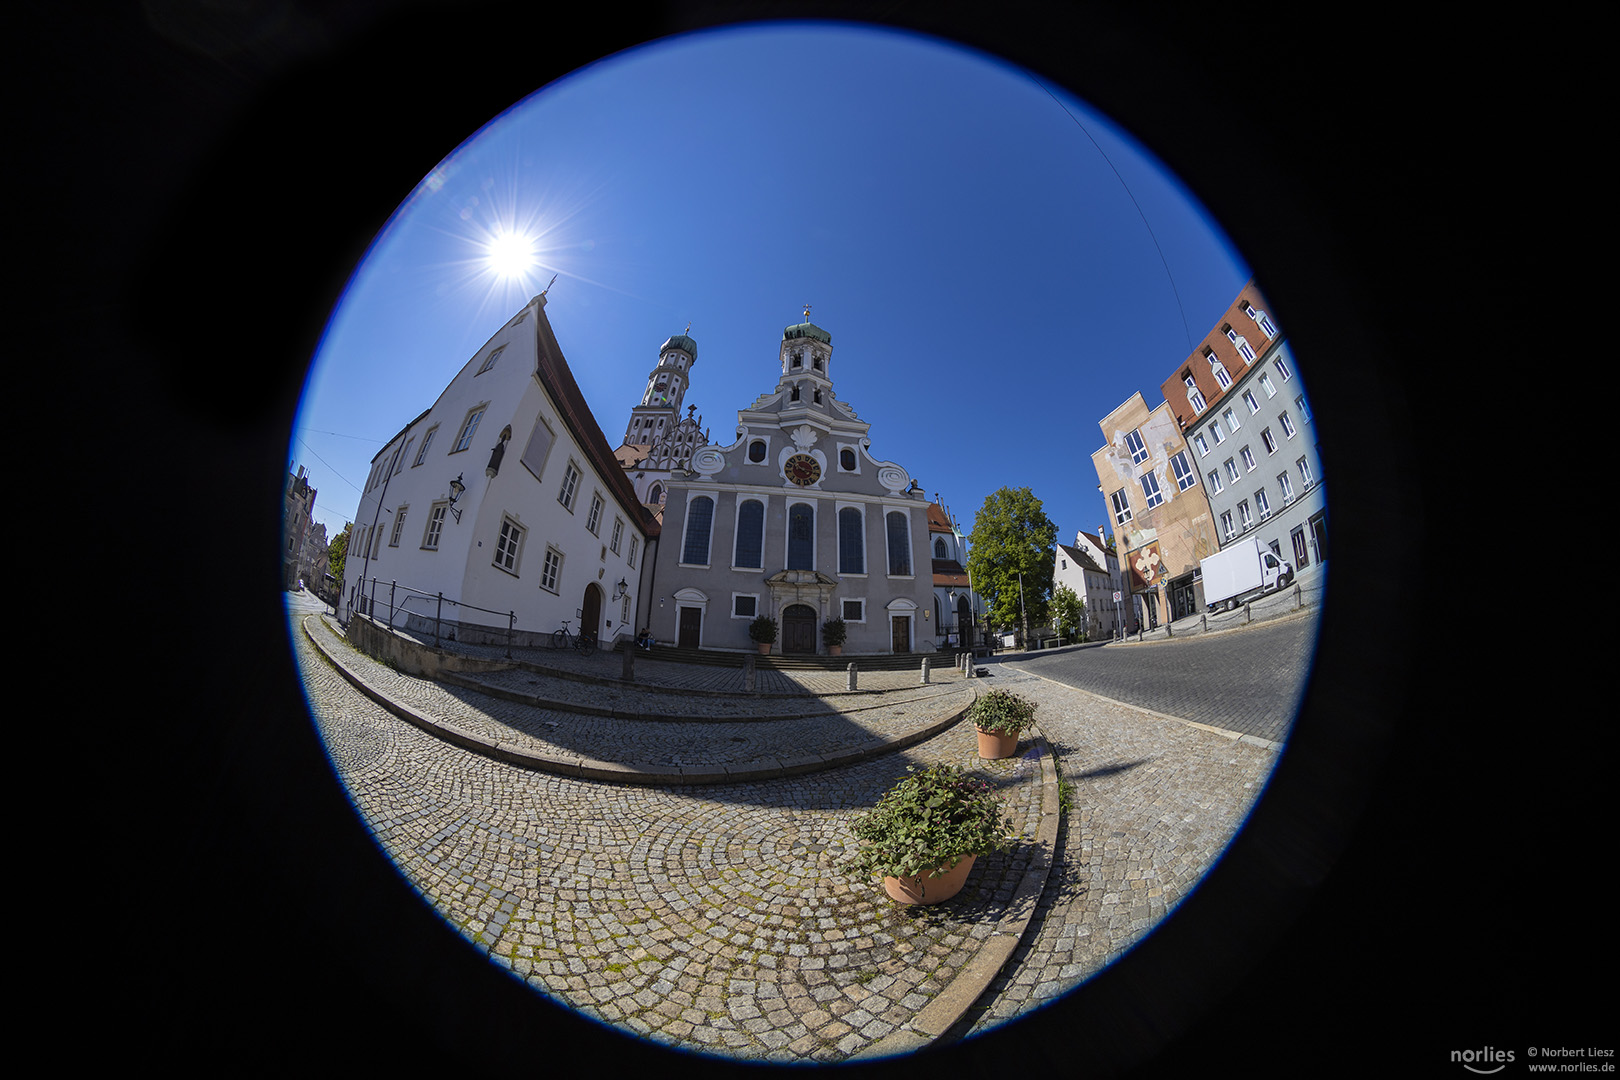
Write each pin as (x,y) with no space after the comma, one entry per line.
(794,519)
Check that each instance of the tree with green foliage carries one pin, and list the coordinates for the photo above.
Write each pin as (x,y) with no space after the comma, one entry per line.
(1012,536)
(1068,613)
(336,552)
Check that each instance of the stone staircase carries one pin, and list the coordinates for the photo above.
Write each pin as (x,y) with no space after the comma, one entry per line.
(806,662)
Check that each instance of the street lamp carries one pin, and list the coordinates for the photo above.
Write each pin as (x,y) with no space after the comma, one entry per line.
(456,489)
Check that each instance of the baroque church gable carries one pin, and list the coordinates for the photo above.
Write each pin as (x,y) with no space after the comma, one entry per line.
(795,519)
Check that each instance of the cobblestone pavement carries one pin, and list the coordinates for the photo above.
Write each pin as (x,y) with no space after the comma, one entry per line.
(531,718)
(708,918)
(1249,680)
(1156,801)
(716,917)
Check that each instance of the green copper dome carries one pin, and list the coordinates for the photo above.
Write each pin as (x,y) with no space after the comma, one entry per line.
(681,341)
(807,330)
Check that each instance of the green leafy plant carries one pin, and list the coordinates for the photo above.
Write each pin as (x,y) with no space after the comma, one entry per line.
(833,632)
(927,822)
(763,630)
(1002,712)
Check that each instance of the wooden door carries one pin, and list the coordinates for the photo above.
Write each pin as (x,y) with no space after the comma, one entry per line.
(799,629)
(590,615)
(902,633)
(691,627)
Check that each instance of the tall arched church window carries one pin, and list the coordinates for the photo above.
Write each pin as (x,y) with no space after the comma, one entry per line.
(939,548)
(899,543)
(699,521)
(801,537)
(851,542)
(656,495)
(750,534)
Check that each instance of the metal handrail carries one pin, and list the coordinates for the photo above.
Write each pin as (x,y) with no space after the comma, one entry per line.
(438,616)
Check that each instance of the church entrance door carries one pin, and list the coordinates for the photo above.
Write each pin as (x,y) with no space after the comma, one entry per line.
(799,629)
(902,633)
(690,626)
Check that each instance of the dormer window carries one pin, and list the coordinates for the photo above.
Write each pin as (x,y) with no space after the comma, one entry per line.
(1262,320)
(1218,369)
(1244,349)
(1195,397)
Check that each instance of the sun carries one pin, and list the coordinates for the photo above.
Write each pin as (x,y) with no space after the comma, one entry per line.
(510,254)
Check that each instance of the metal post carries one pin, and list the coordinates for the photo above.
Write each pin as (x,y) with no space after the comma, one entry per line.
(511,627)
(438,618)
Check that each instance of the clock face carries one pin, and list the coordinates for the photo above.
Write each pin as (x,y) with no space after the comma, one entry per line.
(803,469)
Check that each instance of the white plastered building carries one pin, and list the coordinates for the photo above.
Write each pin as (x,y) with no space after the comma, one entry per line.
(502,506)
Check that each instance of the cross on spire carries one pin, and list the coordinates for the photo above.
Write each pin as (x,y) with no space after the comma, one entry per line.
(807,313)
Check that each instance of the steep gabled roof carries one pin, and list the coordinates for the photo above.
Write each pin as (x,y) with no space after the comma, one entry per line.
(559,382)
(1082,558)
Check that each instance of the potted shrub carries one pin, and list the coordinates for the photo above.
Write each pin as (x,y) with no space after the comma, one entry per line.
(1001,717)
(763,632)
(832,633)
(925,833)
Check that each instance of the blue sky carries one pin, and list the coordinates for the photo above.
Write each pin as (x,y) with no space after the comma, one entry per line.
(998,265)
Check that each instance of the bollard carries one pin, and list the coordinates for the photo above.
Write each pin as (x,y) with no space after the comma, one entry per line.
(749,668)
(852,674)
(628,672)
(925,671)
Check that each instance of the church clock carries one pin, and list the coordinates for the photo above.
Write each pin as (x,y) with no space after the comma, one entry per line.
(802,469)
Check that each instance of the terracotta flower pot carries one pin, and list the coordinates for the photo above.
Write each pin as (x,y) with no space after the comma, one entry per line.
(993,744)
(930,890)
(764,648)
(835,650)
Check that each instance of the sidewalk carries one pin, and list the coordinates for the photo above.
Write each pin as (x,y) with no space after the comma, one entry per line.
(692,891)
(706,910)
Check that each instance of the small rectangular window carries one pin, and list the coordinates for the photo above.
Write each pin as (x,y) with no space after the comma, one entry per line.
(1122,507)
(744,607)
(508,545)
(570,485)
(618,534)
(593,520)
(430,541)
(1150,490)
(1138,449)
(854,610)
(1185,476)
(468,428)
(552,570)
(427,440)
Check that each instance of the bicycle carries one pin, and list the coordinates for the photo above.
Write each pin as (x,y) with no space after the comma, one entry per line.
(584,644)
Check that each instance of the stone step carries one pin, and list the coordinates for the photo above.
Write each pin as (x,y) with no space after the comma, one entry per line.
(790,662)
